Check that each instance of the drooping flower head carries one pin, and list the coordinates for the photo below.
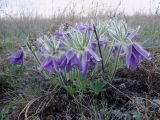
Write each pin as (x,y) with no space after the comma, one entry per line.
(135,55)
(83,27)
(17,58)
(102,42)
(122,36)
(59,35)
(49,64)
(47,53)
(69,60)
(52,54)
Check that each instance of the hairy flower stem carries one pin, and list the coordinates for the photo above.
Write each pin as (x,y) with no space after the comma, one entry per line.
(38,61)
(109,54)
(61,79)
(30,48)
(116,63)
(100,52)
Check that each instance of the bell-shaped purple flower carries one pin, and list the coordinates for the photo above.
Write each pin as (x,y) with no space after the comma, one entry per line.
(17,58)
(102,43)
(49,64)
(135,55)
(70,60)
(84,64)
(89,59)
(59,35)
(83,27)
(88,63)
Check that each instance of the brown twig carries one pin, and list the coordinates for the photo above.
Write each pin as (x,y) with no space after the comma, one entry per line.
(100,52)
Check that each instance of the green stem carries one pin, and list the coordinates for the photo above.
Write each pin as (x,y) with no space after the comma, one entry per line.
(61,79)
(109,54)
(37,60)
(116,63)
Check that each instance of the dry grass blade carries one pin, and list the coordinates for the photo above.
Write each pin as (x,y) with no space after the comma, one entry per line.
(26,108)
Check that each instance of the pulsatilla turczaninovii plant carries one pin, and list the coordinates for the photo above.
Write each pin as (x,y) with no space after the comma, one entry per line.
(77,48)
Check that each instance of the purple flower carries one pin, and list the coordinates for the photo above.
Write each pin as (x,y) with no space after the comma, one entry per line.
(91,61)
(17,58)
(88,63)
(83,27)
(133,37)
(70,60)
(102,43)
(135,54)
(62,36)
(49,64)
(84,64)
(58,34)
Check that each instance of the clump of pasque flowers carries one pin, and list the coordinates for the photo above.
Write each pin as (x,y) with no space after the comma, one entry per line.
(79,44)
(76,48)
